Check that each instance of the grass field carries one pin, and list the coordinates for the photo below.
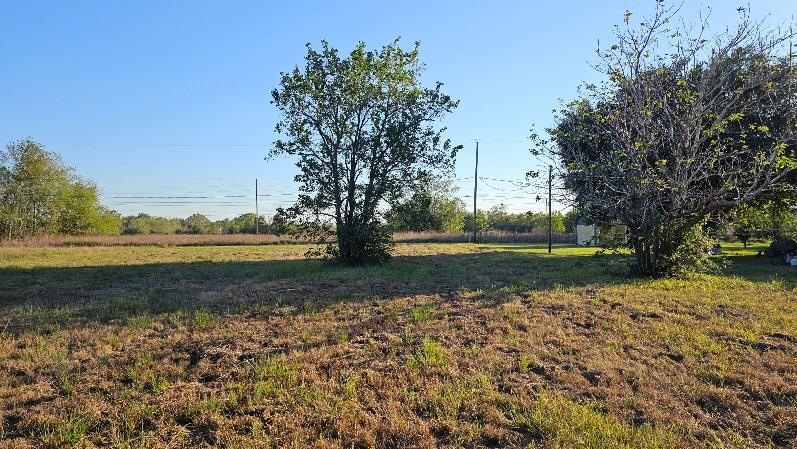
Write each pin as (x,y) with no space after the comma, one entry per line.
(164,240)
(449,345)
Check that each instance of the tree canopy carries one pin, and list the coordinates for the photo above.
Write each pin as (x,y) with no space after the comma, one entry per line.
(39,195)
(685,128)
(364,131)
(432,207)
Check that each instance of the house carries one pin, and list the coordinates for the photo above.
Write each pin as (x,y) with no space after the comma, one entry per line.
(592,234)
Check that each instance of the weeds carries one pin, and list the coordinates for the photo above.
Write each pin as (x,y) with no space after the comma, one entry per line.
(563,424)
(421,314)
(429,355)
(201,319)
(66,433)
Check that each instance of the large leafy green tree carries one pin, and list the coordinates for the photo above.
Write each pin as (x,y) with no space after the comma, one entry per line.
(80,212)
(415,214)
(364,131)
(39,195)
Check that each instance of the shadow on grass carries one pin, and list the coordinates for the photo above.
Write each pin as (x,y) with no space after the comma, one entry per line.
(761,270)
(219,284)
(106,293)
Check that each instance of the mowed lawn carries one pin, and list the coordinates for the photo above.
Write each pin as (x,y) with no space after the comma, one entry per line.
(448,345)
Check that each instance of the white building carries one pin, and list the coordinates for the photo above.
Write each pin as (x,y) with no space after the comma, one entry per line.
(590,234)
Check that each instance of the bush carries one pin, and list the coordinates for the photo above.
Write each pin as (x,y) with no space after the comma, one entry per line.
(692,254)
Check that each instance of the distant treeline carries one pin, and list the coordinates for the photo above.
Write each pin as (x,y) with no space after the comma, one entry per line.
(496,219)
(200,224)
(40,196)
(436,208)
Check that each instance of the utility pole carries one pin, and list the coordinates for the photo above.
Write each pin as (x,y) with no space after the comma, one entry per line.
(550,214)
(257,212)
(475,190)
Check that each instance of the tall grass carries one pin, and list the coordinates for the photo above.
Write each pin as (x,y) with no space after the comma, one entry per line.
(485,237)
(165,240)
(149,240)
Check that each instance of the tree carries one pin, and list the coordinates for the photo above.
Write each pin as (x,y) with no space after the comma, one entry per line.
(431,208)
(415,214)
(684,128)
(198,224)
(452,213)
(147,224)
(364,132)
(79,212)
(481,224)
(40,195)
(243,224)
(764,219)
(571,220)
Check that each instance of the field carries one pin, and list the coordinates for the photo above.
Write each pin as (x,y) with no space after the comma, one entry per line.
(164,240)
(449,345)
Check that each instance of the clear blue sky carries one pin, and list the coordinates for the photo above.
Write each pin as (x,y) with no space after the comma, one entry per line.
(154,98)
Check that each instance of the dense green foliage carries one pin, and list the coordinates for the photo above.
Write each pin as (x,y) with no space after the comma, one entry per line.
(39,195)
(501,220)
(147,224)
(200,224)
(364,132)
(764,220)
(433,207)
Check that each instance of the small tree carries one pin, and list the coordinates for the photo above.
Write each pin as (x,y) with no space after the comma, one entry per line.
(198,224)
(415,214)
(364,132)
(684,128)
(434,207)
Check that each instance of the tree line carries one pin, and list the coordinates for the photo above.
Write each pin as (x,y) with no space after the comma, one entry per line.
(42,196)
(435,207)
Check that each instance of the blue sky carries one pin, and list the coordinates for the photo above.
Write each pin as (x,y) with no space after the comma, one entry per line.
(169,99)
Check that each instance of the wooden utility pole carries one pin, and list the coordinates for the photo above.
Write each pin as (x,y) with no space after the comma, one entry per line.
(475,190)
(550,213)
(257,212)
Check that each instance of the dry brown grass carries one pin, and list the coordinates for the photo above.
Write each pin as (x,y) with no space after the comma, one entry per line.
(146,240)
(447,346)
(165,240)
(485,237)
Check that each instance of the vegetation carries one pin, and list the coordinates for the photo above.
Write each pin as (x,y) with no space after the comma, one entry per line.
(364,131)
(146,331)
(447,346)
(500,220)
(685,129)
(200,224)
(432,207)
(39,195)
(764,220)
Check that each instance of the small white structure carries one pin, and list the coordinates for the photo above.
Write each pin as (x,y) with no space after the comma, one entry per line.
(586,234)
(590,234)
